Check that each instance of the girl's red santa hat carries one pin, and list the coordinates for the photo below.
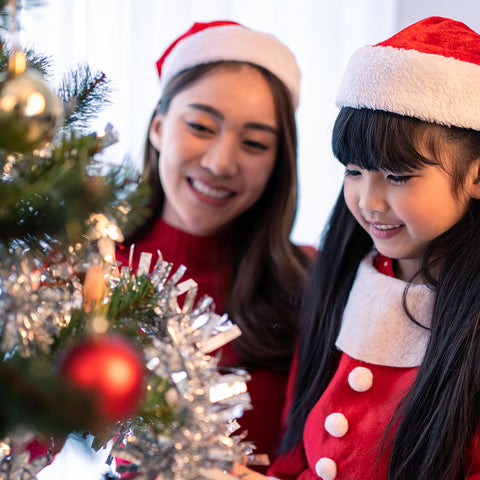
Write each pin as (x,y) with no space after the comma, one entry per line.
(429,70)
(230,41)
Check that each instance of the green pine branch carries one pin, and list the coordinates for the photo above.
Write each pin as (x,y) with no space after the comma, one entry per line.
(131,309)
(55,196)
(155,412)
(46,199)
(33,395)
(84,93)
(35,60)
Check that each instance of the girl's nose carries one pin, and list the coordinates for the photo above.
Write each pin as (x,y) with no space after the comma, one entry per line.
(372,197)
(221,157)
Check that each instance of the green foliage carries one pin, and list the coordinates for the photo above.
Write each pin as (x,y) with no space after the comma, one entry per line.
(35,60)
(54,196)
(132,305)
(156,413)
(84,94)
(76,328)
(129,197)
(47,197)
(32,395)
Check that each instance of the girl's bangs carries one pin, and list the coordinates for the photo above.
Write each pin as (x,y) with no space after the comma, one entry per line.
(377,140)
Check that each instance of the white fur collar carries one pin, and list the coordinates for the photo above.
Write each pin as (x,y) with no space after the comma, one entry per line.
(375,327)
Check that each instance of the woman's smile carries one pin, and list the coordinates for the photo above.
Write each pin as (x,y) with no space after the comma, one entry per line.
(209,190)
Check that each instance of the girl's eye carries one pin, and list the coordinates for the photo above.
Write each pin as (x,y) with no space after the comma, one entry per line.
(398,179)
(349,172)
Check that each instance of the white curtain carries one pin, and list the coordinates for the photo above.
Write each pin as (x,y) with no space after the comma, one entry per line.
(124,38)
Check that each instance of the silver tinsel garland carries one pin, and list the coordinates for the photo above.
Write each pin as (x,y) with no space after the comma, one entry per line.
(35,303)
(181,341)
(201,444)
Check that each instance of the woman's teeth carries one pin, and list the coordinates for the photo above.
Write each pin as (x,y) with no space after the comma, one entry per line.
(211,192)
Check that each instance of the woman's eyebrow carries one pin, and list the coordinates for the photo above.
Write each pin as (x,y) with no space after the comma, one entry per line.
(207,108)
(216,113)
(261,126)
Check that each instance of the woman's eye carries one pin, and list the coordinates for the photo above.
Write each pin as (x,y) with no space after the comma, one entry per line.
(198,127)
(255,145)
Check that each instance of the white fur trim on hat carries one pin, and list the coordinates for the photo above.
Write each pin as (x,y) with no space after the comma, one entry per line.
(235,43)
(433,88)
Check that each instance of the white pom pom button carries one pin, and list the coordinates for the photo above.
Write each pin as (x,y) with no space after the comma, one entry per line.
(336,425)
(360,379)
(326,468)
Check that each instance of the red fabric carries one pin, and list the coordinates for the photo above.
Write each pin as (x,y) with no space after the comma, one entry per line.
(357,454)
(40,446)
(206,259)
(439,36)
(196,27)
(37,449)
(367,413)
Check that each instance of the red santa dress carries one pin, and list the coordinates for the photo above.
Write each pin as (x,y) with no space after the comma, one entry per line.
(381,352)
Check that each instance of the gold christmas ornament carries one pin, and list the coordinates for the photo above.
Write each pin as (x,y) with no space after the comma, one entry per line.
(30,112)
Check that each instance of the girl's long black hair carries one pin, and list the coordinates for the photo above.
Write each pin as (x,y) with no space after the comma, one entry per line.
(439,417)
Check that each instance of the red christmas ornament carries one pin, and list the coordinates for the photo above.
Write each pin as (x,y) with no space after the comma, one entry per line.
(111,368)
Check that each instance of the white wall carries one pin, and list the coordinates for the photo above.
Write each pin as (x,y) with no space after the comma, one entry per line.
(467,11)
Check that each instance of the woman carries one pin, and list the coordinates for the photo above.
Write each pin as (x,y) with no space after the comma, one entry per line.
(221,162)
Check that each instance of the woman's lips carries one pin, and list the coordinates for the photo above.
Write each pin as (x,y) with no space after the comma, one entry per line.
(208,194)
(208,190)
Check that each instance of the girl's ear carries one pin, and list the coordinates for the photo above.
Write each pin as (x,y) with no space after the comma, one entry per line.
(475,193)
(155,133)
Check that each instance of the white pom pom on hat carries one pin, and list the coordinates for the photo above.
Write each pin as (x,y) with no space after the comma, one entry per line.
(230,41)
(429,70)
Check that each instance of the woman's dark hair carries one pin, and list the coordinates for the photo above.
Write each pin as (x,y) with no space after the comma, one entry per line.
(268,271)
(439,416)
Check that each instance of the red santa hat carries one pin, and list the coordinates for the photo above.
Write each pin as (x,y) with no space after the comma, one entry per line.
(429,70)
(227,40)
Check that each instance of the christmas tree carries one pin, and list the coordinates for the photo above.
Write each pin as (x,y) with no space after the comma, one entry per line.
(87,346)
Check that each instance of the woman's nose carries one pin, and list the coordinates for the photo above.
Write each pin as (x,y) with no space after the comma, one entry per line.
(221,157)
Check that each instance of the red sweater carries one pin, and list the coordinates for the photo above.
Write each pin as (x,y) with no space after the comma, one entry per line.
(207,262)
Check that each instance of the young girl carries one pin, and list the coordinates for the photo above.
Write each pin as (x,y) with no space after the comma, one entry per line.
(221,162)
(388,377)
